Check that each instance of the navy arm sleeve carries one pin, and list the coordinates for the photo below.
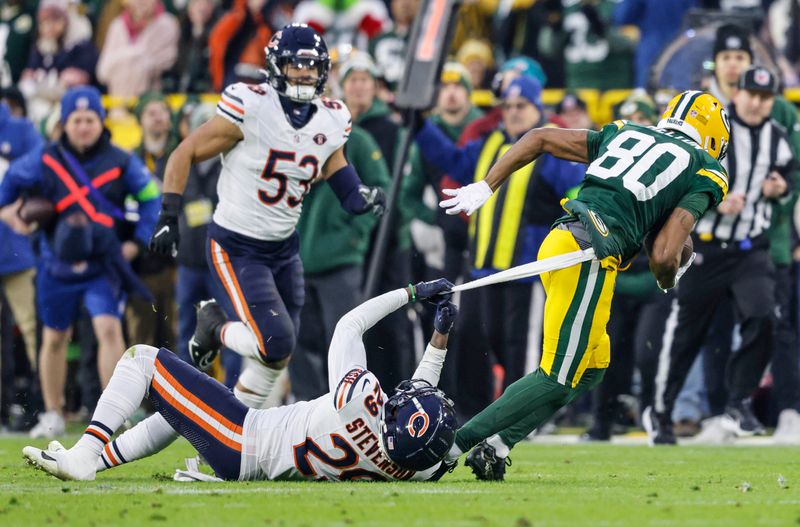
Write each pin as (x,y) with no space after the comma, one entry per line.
(345,184)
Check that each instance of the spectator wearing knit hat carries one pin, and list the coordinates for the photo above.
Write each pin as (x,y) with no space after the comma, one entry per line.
(510,70)
(732,55)
(476,56)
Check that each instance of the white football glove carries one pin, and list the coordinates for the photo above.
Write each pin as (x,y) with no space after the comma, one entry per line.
(466,199)
(681,271)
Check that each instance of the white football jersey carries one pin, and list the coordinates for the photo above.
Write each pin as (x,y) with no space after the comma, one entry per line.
(265,176)
(334,437)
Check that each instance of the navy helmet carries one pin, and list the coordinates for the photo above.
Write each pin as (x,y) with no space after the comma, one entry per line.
(300,46)
(418,426)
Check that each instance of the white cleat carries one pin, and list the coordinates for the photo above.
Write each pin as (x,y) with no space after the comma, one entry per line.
(64,464)
(55,446)
(50,426)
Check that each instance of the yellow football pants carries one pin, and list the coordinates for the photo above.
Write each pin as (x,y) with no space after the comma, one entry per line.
(576,312)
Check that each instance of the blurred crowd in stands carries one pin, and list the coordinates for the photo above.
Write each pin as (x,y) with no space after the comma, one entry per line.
(513,65)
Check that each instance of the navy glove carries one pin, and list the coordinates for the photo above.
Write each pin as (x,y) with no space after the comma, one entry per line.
(166,237)
(375,198)
(425,290)
(446,313)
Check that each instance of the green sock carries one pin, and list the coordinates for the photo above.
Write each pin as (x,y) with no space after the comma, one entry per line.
(523,428)
(524,405)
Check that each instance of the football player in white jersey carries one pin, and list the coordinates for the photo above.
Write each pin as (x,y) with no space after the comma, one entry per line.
(352,432)
(276,140)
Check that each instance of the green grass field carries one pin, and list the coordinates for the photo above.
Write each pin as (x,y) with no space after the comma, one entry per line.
(559,485)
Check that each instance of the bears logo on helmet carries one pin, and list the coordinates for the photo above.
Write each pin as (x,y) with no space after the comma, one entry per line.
(418,425)
(299,46)
(424,420)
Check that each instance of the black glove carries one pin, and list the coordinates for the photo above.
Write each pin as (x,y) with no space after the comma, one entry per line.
(166,237)
(375,198)
(446,313)
(425,290)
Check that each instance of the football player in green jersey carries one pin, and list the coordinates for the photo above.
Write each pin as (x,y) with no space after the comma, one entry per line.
(640,180)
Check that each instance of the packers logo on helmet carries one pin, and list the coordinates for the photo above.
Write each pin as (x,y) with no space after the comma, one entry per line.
(702,117)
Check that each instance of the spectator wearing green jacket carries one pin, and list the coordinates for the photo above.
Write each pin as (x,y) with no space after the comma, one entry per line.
(333,248)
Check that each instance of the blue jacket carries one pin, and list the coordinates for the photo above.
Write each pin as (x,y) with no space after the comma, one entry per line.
(658,22)
(17,137)
(460,163)
(32,174)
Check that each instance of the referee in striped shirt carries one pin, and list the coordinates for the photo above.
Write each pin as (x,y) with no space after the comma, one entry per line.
(732,264)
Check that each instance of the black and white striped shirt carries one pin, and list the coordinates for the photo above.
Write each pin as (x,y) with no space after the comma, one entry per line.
(753,153)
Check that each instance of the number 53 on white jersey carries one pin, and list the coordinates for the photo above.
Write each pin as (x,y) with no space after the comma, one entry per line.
(265,177)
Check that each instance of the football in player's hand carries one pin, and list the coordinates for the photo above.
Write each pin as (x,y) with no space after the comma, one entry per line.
(37,210)
(688,249)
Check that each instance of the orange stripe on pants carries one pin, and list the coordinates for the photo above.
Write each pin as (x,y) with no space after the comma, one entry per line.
(196,419)
(224,421)
(236,292)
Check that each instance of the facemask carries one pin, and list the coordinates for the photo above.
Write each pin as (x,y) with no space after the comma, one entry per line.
(300,92)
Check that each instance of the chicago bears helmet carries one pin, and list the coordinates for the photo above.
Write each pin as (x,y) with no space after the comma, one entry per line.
(300,46)
(418,425)
(702,117)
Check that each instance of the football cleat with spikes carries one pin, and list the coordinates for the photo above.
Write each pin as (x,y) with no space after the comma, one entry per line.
(486,464)
(67,465)
(206,343)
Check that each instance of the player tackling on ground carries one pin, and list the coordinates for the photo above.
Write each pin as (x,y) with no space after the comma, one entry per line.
(353,432)
(276,140)
(639,178)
